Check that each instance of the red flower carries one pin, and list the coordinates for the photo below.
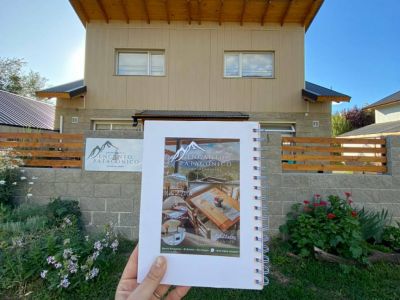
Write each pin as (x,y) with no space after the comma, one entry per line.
(354,214)
(317,196)
(350,200)
(331,216)
(323,203)
(306,202)
(348,194)
(316,204)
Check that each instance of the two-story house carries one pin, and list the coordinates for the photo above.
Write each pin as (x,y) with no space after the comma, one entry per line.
(195,60)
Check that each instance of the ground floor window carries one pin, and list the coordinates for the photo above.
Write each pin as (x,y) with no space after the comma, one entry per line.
(285,129)
(123,124)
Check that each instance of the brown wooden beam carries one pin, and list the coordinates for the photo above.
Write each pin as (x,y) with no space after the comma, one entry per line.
(124,10)
(221,8)
(146,11)
(167,11)
(189,9)
(310,10)
(103,11)
(199,10)
(289,6)
(243,12)
(77,5)
(265,13)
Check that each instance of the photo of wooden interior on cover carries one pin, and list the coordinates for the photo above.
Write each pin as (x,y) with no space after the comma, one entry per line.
(201,197)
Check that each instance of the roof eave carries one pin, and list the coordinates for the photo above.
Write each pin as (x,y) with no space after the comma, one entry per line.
(62,95)
(314,97)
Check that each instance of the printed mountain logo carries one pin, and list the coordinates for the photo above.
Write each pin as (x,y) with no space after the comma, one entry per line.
(182,152)
(96,151)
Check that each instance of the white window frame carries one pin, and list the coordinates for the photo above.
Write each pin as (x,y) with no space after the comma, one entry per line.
(138,128)
(291,125)
(240,54)
(138,51)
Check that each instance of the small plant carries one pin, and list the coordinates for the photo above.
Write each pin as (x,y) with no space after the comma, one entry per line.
(332,226)
(373,224)
(9,175)
(391,237)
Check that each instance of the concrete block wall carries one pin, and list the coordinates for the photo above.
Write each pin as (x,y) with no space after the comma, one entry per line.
(115,196)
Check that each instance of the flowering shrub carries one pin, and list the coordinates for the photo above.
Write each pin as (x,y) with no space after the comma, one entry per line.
(72,264)
(332,226)
(9,175)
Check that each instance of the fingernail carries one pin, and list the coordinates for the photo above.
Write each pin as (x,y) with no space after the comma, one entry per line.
(160,261)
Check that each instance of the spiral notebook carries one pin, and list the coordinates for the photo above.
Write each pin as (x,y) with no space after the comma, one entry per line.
(203,204)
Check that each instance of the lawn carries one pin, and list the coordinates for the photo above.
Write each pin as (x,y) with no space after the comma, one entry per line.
(291,278)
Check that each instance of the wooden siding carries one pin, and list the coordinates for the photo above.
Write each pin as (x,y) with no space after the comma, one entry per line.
(194,68)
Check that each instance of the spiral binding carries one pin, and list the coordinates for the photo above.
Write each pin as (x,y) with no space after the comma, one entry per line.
(261,212)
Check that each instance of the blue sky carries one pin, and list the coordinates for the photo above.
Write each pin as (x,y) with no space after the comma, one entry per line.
(353,46)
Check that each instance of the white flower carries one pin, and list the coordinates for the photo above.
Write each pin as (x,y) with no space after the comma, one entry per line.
(67,241)
(86,238)
(30,182)
(64,282)
(17,242)
(95,255)
(114,245)
(67,253)
(92,274)
(98,246)
(67,221)
(23,178)
(29,195)
(74,257)
(51,260)
(43,274)
(34,177)
(14,183)
(72,267)
(58,265)
(22,171)
(2,182)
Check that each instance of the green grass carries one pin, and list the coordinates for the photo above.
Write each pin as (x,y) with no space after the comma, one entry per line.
(291,279)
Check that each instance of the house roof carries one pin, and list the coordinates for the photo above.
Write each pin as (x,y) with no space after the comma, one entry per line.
(66,91)
(316,93)
(375,130)
(196,11)
(189,115)
(391,99)
(19,111)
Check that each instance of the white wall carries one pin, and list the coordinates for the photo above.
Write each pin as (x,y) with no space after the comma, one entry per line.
(387,113)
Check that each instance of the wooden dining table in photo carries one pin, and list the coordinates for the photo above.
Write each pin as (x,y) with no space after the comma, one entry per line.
(224,217)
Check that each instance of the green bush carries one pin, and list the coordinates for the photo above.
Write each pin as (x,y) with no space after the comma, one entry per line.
(373,224)
(391,237)
(332,226)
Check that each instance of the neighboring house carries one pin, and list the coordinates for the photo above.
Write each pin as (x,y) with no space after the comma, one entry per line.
(195,60)
(387,118)
(22,114)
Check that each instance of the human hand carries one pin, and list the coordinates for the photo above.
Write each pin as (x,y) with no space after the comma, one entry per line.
(150,289)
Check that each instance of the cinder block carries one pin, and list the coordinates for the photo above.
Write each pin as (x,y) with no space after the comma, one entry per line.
(60,189)
(275,208)
(87,217)
(80,189)
(276,221)
(92,204)
(295,180)
(130,191)
(126,232)
(43,175)
(96,177)
(123,177)
(42,189)
(128,219)
(119,205)
(68,175)
(107,190)
(103,218)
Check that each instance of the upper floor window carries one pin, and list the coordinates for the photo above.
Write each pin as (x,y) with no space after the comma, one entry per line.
(148,63)
(249,64)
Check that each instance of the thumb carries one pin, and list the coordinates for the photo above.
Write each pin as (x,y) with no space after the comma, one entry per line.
(152,280)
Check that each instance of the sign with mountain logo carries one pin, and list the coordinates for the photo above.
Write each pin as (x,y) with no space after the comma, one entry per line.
(122,155)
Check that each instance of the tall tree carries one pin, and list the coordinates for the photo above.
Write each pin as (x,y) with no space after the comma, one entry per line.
(14,79)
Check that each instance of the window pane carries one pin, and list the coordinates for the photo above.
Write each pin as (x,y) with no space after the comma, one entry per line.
(257,65)
(122,126)
(132,64)
(100,126)
(232,65)
(157,64)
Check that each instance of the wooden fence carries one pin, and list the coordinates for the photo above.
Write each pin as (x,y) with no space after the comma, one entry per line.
(334,154)
(45,149)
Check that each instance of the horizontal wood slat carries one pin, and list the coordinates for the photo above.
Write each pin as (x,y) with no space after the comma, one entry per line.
(41,136)
(334,158)
(299,167)
(45,149)
(316,140)
(333,149)
(334,154)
